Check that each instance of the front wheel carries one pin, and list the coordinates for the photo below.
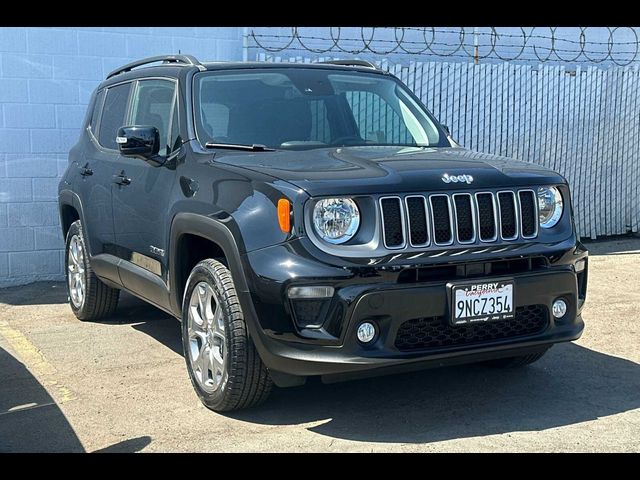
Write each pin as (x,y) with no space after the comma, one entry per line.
(223,364)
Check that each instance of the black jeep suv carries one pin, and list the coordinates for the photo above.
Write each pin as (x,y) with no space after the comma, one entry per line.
(311,220)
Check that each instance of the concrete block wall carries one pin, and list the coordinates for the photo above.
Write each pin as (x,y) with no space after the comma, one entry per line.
(47,76)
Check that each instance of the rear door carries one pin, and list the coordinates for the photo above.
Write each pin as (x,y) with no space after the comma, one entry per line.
(140,204)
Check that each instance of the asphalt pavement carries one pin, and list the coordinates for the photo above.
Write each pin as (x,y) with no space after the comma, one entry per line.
(121,385)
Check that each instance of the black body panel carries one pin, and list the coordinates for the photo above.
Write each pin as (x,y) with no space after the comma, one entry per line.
(136,231)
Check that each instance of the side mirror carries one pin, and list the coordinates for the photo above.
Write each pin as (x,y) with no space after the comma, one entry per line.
(139,141)
(446,130)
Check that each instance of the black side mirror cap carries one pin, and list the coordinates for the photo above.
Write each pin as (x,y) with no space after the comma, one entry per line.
(446,130)
(140,141)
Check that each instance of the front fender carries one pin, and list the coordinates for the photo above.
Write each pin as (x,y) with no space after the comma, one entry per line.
(219,231)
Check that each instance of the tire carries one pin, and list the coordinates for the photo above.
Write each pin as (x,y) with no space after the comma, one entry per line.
(97,299)
(234,376)
(515,362)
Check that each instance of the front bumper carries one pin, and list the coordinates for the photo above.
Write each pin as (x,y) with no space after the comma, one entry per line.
(333,350)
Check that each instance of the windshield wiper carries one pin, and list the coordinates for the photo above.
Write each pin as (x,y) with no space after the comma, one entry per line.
(256,147)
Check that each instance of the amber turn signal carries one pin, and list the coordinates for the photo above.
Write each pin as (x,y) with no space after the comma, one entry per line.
(284,215)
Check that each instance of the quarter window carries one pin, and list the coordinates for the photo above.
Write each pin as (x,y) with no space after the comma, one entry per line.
(97,108)
(113,112)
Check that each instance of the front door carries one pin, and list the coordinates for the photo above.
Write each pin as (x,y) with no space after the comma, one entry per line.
(142,192)
(96,168)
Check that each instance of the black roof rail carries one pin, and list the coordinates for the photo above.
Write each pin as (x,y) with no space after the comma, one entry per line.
(175,59)
(351,63)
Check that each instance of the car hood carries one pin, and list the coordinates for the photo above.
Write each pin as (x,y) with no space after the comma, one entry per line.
(362,170)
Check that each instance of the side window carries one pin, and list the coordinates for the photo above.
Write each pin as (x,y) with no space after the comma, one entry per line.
(113,112)
(95,114)
(377,120)
(153,105)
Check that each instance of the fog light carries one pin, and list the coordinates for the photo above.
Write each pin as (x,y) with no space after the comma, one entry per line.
(559,308)
(366,332)
(310,292)
(580,264)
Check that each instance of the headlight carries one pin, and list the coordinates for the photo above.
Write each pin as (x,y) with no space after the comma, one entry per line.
(549,206)
(336,219)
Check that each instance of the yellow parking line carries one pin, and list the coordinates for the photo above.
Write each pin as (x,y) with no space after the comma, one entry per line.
(35,361)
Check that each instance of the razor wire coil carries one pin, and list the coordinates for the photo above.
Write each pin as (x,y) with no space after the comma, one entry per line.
(553,45)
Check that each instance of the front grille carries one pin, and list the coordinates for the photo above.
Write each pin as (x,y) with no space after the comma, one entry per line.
(486,217)
(465,223)
(417,216)
(528,213)
(460,218)
(508,220)
(436,332)
(392,220)
(441,215)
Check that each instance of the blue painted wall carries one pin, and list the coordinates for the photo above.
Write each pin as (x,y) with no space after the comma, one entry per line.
(46,78)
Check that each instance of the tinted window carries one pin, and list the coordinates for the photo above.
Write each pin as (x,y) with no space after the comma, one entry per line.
(320,127)
(153,105)
(309,108)
(377,121)
(215,120)
(97,106)
(113,112)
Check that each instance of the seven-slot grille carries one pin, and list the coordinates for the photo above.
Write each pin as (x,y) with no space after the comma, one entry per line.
(462,218)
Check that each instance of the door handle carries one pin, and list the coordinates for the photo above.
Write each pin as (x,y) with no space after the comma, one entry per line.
(85,171)
(121,179)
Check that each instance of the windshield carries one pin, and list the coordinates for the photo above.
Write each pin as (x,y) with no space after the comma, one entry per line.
(298,108)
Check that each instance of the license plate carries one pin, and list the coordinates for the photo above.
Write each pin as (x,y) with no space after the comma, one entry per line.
(482,302)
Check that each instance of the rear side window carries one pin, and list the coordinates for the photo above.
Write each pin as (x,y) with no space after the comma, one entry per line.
(113,112)
(95,114)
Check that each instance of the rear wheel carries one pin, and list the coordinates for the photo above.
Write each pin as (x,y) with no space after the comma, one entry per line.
(223,364)
(519,361)
(89,297)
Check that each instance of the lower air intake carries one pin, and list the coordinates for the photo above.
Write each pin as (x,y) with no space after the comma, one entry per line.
(436,332)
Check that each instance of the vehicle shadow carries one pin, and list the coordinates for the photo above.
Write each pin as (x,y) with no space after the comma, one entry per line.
(30,420)
(49,293)
(149,320)
(131,445)
(620,245)
(571,384)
